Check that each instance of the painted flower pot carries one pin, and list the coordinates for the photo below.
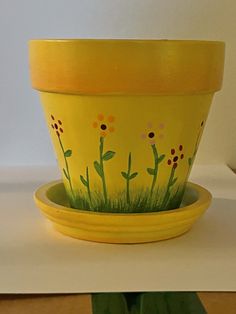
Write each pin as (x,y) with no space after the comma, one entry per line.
(126,116)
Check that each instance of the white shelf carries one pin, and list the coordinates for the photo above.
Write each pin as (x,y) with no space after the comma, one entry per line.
(36,259)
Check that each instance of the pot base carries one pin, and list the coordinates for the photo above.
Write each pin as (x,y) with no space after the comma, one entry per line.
(127,228)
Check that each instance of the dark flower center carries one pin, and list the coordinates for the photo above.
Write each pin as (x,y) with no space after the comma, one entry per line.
(151,134)
(103,127)
(175,158)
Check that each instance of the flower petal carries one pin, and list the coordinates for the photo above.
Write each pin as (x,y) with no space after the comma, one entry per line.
(103,134)
(175,165)
(111,119)
(149,125)
(100,117)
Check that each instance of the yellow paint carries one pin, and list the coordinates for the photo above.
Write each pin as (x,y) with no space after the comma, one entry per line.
(126,66)
(181,116)
(120,228)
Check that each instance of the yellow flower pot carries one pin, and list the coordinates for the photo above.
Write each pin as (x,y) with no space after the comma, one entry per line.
(126,116)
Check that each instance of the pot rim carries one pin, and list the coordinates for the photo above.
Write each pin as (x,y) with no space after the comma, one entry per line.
(126,66)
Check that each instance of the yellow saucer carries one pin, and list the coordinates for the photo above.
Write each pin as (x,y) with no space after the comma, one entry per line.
(120,228)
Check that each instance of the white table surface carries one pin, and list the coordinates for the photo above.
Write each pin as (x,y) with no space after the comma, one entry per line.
(36,259)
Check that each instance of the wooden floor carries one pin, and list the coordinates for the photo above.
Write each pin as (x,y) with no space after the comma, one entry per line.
(215,303)
(219,302)
(45,304)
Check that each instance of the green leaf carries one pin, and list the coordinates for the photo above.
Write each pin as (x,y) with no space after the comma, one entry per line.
(161,158)
(65,173)
(124,174)
(129,163)
(190,161)
(68,153)
(110,303)
(82,179)
(151,171)
(108,155)
(87,175)
(133,175)
(98,168)
(173,181)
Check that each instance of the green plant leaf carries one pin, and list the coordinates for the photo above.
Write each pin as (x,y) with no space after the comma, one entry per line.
(124,174)
(65,173)
(161,158)
(87,175)
(108,155)
(68,153)
(190,161)
(82,179)
(98,168)
(133,175)
(173,181)
(151,171)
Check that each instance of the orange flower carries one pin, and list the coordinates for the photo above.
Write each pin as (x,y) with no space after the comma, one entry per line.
(104,124)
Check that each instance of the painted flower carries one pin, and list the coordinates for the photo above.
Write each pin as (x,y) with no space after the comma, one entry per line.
(104,124)
(67,153)
(152,134)
(176,156)
(56,126)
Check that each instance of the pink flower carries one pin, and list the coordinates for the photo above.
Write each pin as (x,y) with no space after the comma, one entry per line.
(152,134)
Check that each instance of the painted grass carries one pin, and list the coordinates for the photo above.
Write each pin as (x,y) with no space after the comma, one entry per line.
(141,202)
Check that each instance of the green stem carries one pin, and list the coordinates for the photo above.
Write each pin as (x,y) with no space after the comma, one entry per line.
(195,152)
(88,185)
(155,155)
(167,195)
(127,192)
(102,169)
(67,168)
(127,181)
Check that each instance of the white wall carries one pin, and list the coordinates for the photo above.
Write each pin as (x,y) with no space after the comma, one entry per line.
(23,134)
